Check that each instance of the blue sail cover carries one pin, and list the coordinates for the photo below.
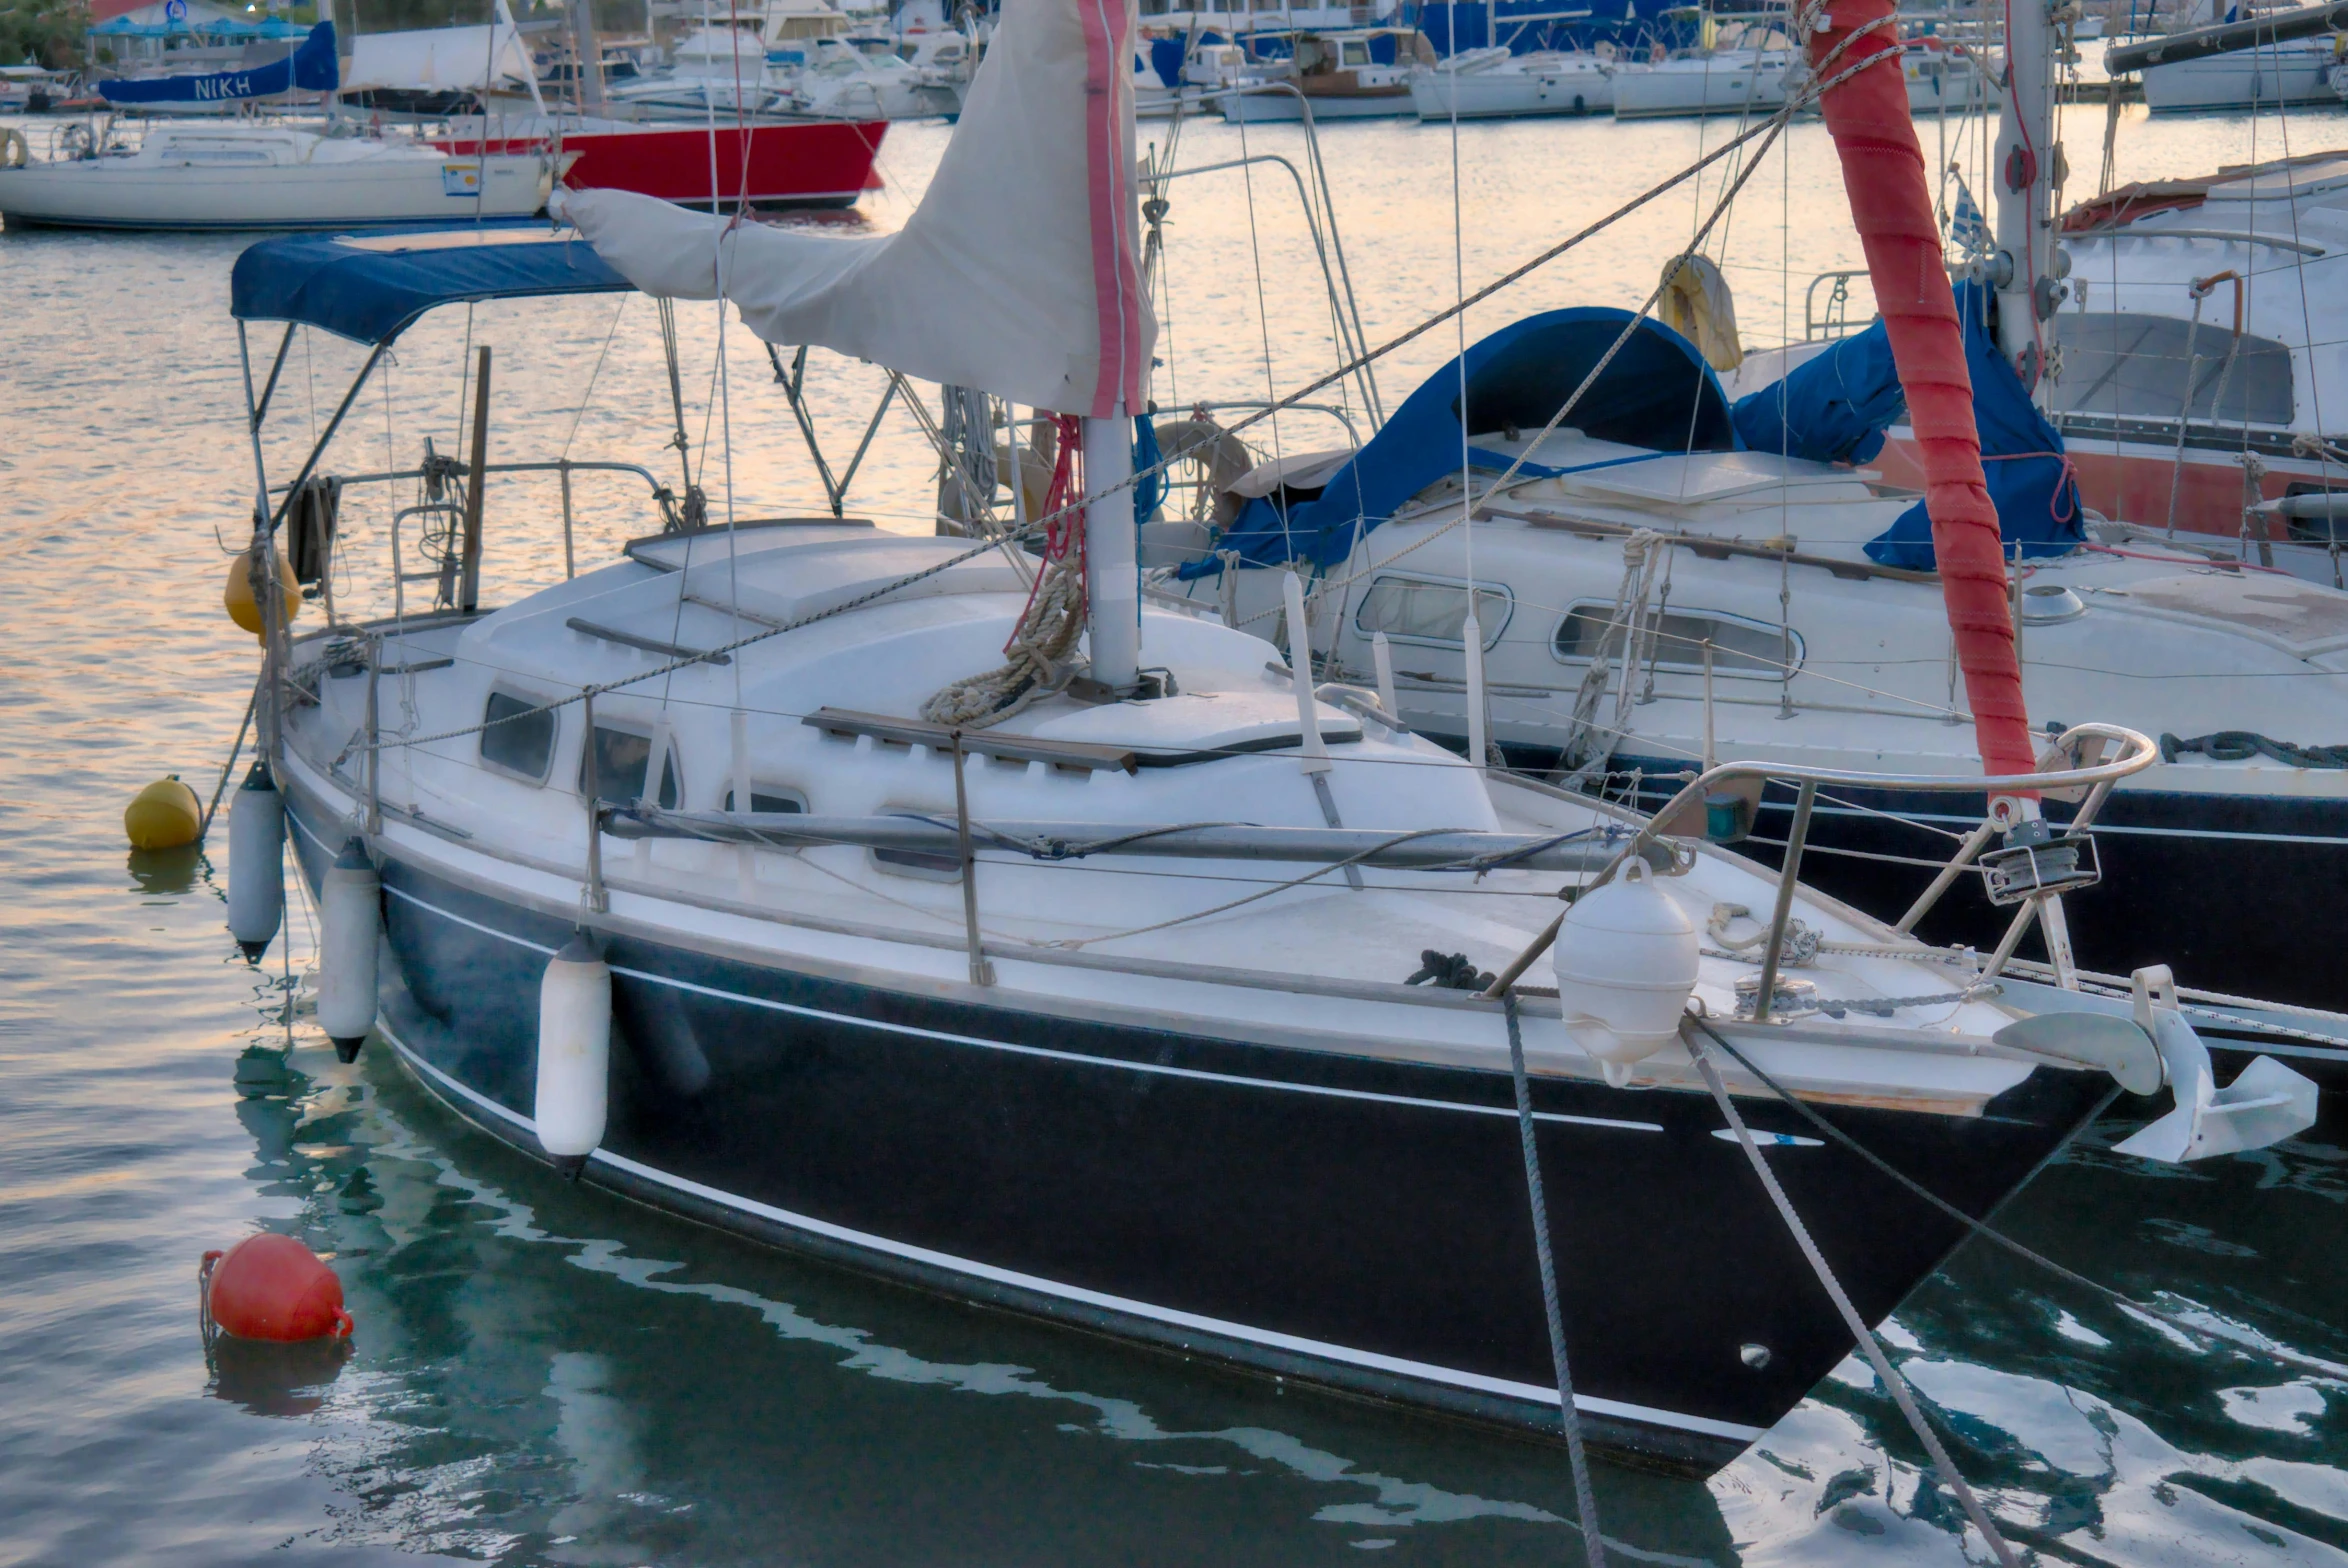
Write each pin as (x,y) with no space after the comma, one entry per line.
(1657,393)
(1834,409)
(2021,455)
(311,68)
(1166,56)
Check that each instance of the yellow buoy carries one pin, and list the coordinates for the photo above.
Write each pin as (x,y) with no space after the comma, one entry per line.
(164,815)
(238,594)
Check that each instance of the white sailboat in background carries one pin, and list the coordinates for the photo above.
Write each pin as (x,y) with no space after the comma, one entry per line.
(1739,68)
(243,175)
(1493,83)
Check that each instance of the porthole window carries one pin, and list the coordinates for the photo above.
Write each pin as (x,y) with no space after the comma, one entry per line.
(1430,610)
(771,798)
(1740,647)
(621,759)
(915,863)
(518,736)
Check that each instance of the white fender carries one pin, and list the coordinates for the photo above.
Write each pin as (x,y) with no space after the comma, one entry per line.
(256,862)
(2266,1103)
(574,1055)
(350,910)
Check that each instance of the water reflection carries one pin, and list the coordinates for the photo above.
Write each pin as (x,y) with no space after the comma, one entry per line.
(271,1379)
(166,872)
(583,1382)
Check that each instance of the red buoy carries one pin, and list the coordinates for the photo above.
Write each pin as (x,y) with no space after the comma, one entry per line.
(272,1287)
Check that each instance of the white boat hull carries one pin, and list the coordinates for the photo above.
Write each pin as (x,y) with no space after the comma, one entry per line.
(1277,108)
(1686,88)
(108,193)
(2258,78)
(1504,94)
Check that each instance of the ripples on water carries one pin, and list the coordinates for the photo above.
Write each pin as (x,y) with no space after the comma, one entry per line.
(547,1375)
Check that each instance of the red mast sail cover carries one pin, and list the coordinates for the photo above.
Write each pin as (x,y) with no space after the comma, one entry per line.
(1883,174)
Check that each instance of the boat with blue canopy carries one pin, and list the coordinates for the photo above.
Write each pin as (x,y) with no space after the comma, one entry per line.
(950,909)
(1677,576)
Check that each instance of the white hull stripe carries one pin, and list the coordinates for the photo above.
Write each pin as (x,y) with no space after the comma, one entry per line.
(1295,1344)
(1046,1053)
(2335,841)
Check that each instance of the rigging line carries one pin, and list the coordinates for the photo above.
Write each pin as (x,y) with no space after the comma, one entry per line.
(1072,944)
(1467,478)
(1989,1233)
(1264,330)
(2307,330)
(1893,1383)
(588,396)
(1775,124)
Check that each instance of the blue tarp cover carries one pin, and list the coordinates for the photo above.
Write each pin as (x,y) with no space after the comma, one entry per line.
(1833,408)
(1166,59)
(369,287)
(310,69)
(2021,455)
(1657,393)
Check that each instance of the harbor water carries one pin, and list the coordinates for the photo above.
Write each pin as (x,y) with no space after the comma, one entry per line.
(544,1374)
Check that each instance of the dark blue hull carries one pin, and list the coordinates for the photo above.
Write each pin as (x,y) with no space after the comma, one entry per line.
(1353,1222)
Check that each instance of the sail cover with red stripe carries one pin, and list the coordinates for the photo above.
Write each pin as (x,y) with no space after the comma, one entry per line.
(1018,273)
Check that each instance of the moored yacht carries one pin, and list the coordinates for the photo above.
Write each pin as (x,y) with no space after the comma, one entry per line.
(1141,981)
(1357,74)
(1493,83)
(263,176)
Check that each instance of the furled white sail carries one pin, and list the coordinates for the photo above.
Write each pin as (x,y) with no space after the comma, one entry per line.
(435,59)
(1018,272)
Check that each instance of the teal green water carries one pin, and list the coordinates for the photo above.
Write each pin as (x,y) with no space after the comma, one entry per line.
(542,1374)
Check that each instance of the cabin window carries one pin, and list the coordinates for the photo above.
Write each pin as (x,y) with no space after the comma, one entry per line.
(2125,365)
(516,739)
(1430,610)
(914,863)
(621,758)
(1354,54)
(1739,646)
(770,798)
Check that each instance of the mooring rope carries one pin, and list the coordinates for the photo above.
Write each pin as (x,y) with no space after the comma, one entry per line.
(1585,1496)
(1987,1232)
(1893,1383)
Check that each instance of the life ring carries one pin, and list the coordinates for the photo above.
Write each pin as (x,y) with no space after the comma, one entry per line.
(1222,456)
(15,151)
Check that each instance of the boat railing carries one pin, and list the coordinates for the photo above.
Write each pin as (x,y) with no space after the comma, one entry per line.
(2034,869)
(662,496)
(1833,319)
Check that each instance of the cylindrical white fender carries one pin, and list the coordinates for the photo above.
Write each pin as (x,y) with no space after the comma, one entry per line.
(350,908)
(1626,961)
(574,1055)
(256,863)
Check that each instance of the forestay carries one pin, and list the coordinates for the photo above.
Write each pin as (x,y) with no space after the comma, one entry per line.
(1017,273)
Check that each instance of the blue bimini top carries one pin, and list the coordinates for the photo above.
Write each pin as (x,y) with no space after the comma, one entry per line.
(370,287)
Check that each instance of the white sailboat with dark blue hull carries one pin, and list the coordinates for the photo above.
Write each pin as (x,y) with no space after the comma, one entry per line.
(1133,983)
